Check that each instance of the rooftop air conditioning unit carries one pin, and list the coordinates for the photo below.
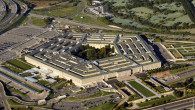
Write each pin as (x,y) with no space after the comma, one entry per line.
(67,69)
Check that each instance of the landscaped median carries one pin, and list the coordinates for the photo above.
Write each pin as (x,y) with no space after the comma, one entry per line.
(141,89)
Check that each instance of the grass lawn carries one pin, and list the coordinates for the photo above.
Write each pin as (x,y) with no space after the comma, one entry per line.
(106,106)
(141,89)
(38,22)
(20,64)
(61,86)
(37,77)
(84,18)
(57,11)
(12,102)
(157,101)
(175,53)
(181,69)
(33,88)
(18,92)
(168,46)
(26,74)
(12,68)
(43,82)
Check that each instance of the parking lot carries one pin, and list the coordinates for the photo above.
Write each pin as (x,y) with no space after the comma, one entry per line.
(65,105)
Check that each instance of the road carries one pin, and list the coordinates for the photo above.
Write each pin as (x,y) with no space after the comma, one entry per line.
(107,27)
(2,9)
(11,15)
(3,98)
(182,75)
(177,105)
(16,19)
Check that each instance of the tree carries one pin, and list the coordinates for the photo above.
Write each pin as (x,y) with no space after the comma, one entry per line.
(178,93)
(48,20)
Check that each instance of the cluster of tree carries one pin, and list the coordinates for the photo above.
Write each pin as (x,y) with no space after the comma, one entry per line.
(178,93)
(92,53)
(157,101)
(48,20)
(30,5)
(144,3)
(123,106)
(189,8)
(163,68)
(89,2)
(75,2)
(189,83)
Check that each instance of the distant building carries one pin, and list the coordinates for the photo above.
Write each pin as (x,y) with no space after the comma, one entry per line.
(99,11)
(96,2)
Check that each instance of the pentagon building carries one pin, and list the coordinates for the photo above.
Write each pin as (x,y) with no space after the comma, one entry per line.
(132,55)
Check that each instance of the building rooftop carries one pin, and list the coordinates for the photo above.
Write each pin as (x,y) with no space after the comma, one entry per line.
(131,51)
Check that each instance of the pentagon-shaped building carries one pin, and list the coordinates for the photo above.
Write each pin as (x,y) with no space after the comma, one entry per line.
(132,55)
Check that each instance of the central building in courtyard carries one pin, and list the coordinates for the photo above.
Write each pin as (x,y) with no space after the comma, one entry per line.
(91,58)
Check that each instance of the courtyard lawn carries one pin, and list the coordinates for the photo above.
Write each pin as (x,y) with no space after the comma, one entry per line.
(26,74)
(141,89)
(175,53)
(106,106)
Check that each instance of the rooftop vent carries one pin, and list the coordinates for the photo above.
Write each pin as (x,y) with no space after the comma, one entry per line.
(41,49)
(95,62)
(67,69)
(135,64)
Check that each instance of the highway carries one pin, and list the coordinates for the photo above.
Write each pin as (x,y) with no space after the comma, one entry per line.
(17,18)
(11,15)
(3,98)
(177,105)
(2,9)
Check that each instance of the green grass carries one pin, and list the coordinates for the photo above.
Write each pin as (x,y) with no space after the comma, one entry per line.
(18,92)
(181,69)
(37,77)
(188,48)
(61,86)
(157,101)
(38,22)
(175,53)
(33,88)
(128,22)
(168,46)
(12,68)
(160,89)
(106,106)
(12,102)
(20,64)
(43,82)
(142,11)
(141,89)
(26,74)
(88,19)
(57,11)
